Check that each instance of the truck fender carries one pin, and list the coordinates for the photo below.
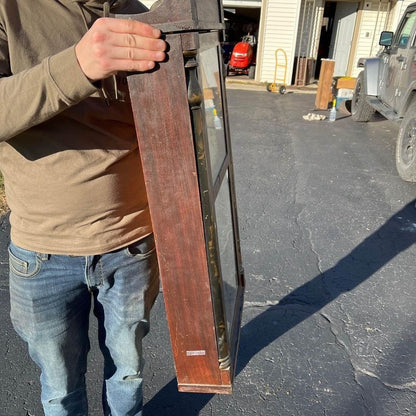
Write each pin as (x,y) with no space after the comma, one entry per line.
(371,76)
(410,96)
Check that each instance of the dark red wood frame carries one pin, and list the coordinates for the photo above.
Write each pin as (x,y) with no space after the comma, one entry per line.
(167,105)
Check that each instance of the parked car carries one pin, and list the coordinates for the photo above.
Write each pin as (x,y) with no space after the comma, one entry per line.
(387,84)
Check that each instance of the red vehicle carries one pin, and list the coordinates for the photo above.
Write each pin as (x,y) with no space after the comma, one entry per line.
(243,59)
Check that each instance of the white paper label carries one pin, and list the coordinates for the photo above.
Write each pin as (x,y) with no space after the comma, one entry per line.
(195,353)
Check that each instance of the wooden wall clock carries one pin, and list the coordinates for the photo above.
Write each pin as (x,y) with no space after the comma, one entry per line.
(181,119)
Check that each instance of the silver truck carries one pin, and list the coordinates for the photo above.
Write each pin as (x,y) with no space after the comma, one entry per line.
(387,84)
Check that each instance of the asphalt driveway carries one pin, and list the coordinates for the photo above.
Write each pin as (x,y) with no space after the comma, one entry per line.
(328,231)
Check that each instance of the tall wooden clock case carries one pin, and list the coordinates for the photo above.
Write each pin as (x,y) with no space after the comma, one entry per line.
(181,118)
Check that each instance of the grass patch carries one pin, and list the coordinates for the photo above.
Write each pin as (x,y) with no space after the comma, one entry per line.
(3,204)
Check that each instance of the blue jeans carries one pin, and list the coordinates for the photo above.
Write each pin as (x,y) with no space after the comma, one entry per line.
(51,298)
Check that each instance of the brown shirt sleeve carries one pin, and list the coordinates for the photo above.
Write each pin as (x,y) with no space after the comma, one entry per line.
(37,94)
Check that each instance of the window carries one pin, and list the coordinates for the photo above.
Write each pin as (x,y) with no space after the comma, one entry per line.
(406,30)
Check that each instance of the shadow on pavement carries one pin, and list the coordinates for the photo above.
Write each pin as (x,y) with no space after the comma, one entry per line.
(394,237)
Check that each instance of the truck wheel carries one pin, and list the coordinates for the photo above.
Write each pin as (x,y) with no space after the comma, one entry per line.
(252,72)
(406,145)
(360,109)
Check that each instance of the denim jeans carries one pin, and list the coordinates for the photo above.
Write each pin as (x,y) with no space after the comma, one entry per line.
(51,297)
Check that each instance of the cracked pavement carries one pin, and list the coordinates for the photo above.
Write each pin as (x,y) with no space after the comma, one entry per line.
(327,236)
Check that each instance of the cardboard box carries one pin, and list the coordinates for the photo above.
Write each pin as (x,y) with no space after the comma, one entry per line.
(346,82)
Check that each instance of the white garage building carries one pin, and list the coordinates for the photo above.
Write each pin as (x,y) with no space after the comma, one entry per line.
(315,29)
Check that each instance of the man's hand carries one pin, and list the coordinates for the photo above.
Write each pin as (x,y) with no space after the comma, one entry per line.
(113,45)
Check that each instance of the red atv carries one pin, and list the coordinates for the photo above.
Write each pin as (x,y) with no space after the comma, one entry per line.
(243,58)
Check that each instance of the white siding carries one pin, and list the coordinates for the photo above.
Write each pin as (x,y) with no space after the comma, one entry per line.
(281,19)
(280,28)
(373,21)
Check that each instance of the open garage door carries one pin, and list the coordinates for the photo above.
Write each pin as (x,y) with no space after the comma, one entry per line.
(242,20)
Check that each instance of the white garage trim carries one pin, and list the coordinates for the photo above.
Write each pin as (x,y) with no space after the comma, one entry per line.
(243,3)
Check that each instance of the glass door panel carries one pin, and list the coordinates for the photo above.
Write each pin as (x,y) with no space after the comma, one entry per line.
(211,87)
(227,253)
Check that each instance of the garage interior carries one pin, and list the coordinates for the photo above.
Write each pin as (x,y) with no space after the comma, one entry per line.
(240,22)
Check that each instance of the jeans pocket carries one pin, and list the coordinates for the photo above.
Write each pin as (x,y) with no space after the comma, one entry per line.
(141,249)
(23,263)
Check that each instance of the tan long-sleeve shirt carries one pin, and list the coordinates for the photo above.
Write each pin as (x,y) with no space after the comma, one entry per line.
(70,161)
